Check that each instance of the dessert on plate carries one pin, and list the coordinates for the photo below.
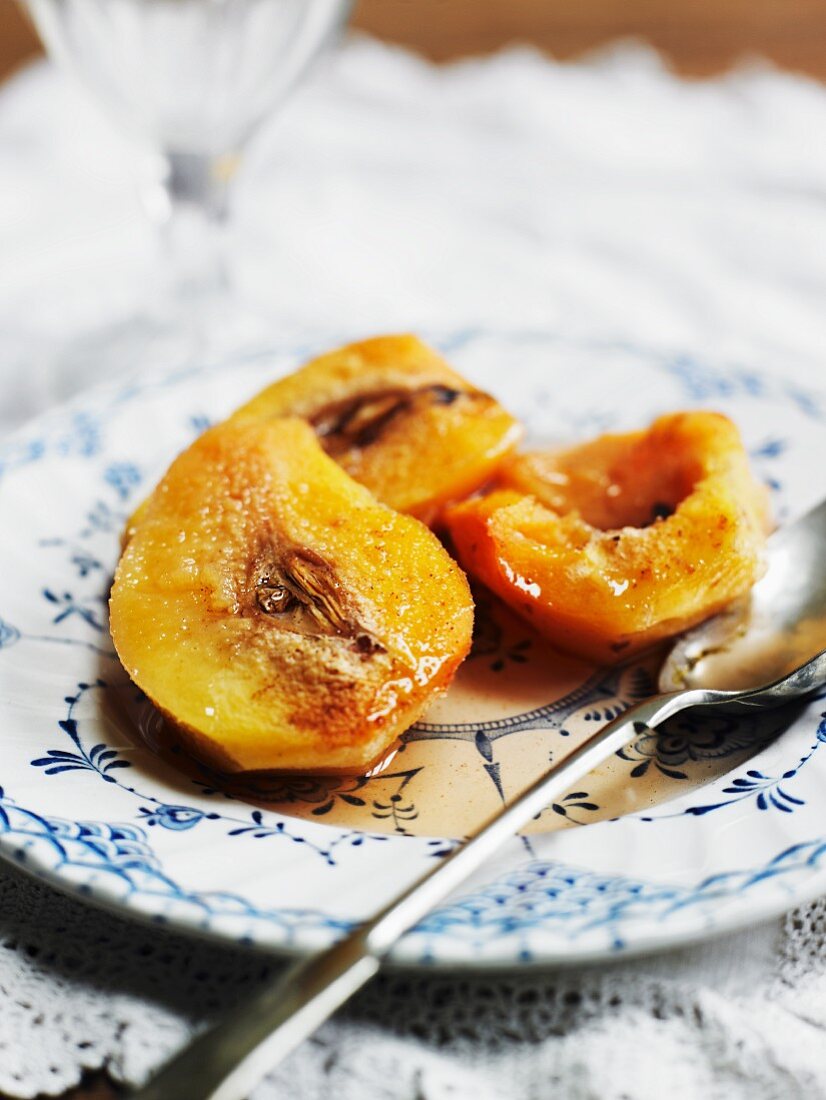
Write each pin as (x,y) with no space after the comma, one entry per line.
(281,599)
(397,418)
(277,613)
(622,541)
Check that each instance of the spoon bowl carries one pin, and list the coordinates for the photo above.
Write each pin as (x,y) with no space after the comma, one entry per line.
(779,628)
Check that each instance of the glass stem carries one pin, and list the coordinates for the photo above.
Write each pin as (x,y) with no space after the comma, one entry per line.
(187,200)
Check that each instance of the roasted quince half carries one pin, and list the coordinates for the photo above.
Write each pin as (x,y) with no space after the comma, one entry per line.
(613,545)
(398,419)
(277,613)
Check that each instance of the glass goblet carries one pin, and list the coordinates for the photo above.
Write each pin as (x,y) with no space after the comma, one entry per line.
(191,80)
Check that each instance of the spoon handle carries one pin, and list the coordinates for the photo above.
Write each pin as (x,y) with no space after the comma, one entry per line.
(228,1060)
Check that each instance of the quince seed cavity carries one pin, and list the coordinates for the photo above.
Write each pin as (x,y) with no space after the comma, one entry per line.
(359,421)
(274,599)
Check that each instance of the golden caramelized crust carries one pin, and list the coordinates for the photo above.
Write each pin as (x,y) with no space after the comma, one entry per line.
(398,419)
(279,614)
(623,541)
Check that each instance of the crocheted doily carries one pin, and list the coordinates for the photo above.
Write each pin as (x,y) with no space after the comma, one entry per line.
(740,1017)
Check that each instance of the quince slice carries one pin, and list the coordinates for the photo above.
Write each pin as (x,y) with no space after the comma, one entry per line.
(398,419)
(277,613)
(628,539)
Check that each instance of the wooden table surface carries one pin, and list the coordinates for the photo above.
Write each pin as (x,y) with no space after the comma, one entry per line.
(700,37)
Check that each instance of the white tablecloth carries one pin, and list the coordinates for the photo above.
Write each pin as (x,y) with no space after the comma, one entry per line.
(603,198)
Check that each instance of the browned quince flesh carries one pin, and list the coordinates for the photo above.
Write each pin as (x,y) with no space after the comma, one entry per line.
(277,613)
(625,540)
(398,419)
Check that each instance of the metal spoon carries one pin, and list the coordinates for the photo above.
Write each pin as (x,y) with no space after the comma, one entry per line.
(772,649)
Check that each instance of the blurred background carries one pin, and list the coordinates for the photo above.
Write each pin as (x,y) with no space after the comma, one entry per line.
(700,37)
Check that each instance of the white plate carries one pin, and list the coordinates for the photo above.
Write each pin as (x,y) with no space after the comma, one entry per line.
(91,809)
